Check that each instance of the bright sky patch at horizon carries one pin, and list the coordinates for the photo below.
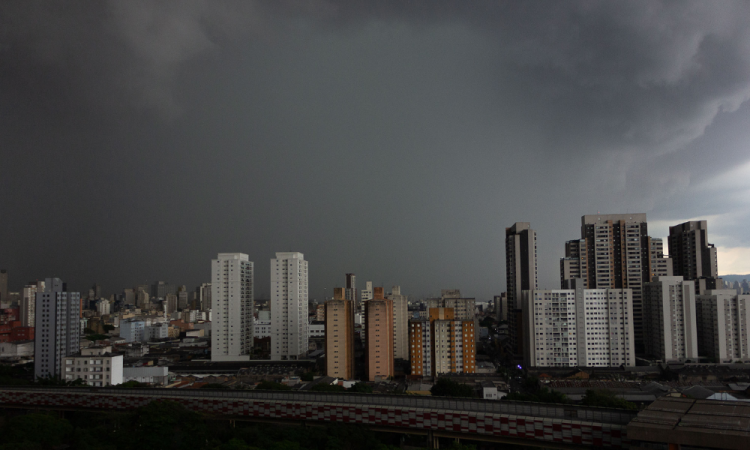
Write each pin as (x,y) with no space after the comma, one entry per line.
(395,140)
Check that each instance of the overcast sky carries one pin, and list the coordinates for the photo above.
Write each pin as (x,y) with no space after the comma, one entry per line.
(392,139)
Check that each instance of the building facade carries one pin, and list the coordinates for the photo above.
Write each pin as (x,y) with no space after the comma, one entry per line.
(96,366)
(232,297)
(133,330)
(694,258)
(671,323)
(615,252)
(379,337)
(351,289)
(339,336)
(521,274)
(578,327)
(400,323)
(441,344)
(723,320)
(28,303)
(57,329)
(289,310)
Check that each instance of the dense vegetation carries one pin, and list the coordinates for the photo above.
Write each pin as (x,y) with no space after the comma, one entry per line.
(605,398)
(446,387)
(168,425)
(535,392)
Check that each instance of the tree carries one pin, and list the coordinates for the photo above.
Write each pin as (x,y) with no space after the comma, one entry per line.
(96,337)
(167,425)
(361,388)
(41,429)
(605,398)
(448,388)
(307,376)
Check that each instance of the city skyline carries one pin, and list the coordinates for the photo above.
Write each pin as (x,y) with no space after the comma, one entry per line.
(143,139)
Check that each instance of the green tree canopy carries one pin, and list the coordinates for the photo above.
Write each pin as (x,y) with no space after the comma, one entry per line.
(362,388)
(37,430)
(446,387)
(605,398)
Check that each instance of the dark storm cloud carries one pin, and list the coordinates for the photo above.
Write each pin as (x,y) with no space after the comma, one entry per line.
(393,139)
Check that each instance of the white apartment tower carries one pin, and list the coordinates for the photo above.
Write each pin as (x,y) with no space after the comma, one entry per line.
(670,319)
(578,327)
(232,307)
(723,319)
(58,327)
(289,328)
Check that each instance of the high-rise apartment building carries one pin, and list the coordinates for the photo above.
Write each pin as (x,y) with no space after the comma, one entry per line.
(379,337)
(400,323)
(339,336)
(694,258)
(3,285)
(615,252)
(501,306)
(28,303)
(575,263)
(521,274)
(659,264)
(142,300)
(578,327)
(57,327)
(463,307)
(670,319)
(442,343)
(365,294)
(170,303)
(289,309)
(232,284)
(351,289)
(723,319)
(204,296)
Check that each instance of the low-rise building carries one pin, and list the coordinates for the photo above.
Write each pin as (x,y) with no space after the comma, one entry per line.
(97,366)
(133,330)
(16,349)
(158,375)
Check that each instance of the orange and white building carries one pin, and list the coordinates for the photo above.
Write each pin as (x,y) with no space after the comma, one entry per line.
(442,344)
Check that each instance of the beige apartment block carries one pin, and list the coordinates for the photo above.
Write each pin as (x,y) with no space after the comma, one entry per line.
(400,323)
(379,337)
(339,336)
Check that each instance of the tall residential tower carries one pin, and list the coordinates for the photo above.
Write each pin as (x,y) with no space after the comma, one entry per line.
(521,275)
(289,290)
(694,258)
(58,327)
(232,294)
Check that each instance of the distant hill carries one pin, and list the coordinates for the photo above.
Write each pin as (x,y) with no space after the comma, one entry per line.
(734,278)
